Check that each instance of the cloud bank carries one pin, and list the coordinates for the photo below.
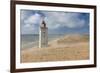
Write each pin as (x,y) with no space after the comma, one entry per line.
(63,21)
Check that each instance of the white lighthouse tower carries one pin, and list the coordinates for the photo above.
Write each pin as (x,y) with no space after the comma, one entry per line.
(43,35)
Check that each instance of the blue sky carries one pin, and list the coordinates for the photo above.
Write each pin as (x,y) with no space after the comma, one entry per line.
(57,22)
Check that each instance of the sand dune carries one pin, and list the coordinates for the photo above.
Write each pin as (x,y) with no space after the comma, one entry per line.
(69,47)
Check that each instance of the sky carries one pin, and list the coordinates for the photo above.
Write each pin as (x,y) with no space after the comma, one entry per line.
(57,22)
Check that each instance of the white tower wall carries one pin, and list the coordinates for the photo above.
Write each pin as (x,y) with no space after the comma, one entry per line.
(43,37)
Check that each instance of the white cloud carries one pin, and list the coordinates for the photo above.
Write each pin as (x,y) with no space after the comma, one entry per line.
(59,19)
(34,19)
(27,25)
(31,24)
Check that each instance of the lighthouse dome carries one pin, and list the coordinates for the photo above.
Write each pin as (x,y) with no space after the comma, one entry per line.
(43,24)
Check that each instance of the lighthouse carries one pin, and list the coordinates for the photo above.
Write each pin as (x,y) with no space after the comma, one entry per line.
(43,35)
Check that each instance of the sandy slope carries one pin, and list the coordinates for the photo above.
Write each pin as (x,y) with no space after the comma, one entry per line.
(70,47)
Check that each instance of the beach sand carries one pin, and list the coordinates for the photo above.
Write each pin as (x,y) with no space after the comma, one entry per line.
(69,47)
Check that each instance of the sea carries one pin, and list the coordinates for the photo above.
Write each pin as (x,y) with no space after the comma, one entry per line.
(32,40)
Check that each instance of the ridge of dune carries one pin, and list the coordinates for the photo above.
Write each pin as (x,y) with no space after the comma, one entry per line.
(70,39)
